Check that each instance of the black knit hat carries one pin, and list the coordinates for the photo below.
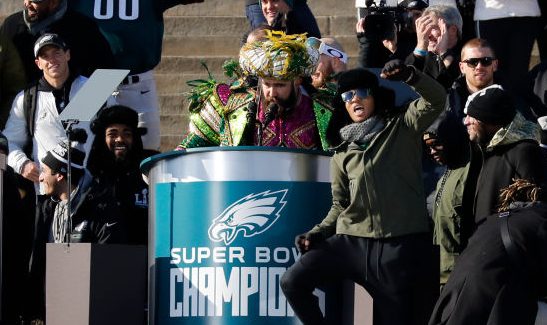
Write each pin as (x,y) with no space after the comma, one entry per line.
(117,114)
(57,158)
(357,78)
(491,105)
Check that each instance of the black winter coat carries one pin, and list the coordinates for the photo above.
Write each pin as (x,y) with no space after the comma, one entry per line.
(488,286)
(522,159)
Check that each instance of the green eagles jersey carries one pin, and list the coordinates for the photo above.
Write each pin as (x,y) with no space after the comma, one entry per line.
(133,28)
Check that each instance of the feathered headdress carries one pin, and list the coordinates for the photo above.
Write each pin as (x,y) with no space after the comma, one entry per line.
(280,56)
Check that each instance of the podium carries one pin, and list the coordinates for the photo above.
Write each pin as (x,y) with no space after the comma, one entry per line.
(222,228)
(93,284)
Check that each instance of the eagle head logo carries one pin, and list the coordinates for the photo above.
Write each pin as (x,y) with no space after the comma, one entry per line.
(250,216)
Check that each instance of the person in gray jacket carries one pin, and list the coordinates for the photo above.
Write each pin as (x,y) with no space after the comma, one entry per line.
(376,232)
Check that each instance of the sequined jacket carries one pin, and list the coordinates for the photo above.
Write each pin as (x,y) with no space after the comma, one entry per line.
(223,118)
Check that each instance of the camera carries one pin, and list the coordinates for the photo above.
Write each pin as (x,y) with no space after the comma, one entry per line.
(384,21)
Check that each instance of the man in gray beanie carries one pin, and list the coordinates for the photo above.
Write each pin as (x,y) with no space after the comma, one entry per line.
(504,147)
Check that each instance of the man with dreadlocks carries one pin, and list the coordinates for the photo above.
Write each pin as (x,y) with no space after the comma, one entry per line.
(502,273)
(278,113)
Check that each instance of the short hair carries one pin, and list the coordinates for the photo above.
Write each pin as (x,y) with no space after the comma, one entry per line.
(450,14)
(259,33)
(478,43)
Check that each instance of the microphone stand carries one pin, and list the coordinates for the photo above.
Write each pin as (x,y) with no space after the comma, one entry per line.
(69,132)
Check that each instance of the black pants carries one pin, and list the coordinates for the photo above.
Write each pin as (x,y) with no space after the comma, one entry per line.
(399,273)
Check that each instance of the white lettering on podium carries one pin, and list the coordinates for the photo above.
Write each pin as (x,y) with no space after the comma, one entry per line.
(206,291)
(280,255)
(204,254)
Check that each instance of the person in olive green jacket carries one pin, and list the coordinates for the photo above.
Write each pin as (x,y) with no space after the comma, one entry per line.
(448,145)
(376,232)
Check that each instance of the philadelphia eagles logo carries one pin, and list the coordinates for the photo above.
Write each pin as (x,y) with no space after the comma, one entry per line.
(250,215)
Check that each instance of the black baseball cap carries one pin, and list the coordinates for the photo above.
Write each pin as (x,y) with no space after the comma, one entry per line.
(48,39)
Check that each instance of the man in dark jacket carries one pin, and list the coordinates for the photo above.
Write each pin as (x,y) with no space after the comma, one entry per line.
(501,275)
(89,48)
(477,66)
(438,32)
(94,214)
(505,147)
(114,160)
(293,16)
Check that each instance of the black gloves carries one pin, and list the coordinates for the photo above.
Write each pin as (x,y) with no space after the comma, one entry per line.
(305,242)
(397,70)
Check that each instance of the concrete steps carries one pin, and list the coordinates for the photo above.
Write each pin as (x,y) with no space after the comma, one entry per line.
(8,7)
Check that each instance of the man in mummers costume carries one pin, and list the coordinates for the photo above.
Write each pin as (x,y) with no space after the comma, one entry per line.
(278,113)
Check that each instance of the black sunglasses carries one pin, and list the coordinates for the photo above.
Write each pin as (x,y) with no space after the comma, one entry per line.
(485,62)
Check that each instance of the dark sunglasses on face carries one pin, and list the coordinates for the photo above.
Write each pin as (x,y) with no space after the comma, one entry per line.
(473,62)
(361,92)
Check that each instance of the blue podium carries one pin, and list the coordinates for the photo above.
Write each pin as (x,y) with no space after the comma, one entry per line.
(223,222)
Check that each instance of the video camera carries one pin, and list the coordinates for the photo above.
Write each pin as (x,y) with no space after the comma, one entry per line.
(384,21)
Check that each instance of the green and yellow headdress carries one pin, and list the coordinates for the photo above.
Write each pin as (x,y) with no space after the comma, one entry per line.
(279,56)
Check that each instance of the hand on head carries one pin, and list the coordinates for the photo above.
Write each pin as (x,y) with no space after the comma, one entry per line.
(424,26)
(442,40)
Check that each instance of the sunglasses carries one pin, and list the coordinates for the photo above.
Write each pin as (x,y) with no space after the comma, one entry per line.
(485,62)
(361,92)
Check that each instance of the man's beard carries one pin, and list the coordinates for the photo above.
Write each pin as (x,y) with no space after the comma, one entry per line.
(38,16)
(285,105)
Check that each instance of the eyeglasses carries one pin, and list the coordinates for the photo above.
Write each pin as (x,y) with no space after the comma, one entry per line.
(485,62)
(361,92)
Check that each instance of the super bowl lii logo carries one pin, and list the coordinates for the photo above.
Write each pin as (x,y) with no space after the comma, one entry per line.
(249,216)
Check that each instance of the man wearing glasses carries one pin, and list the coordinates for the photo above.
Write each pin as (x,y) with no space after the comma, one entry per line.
(478,64)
